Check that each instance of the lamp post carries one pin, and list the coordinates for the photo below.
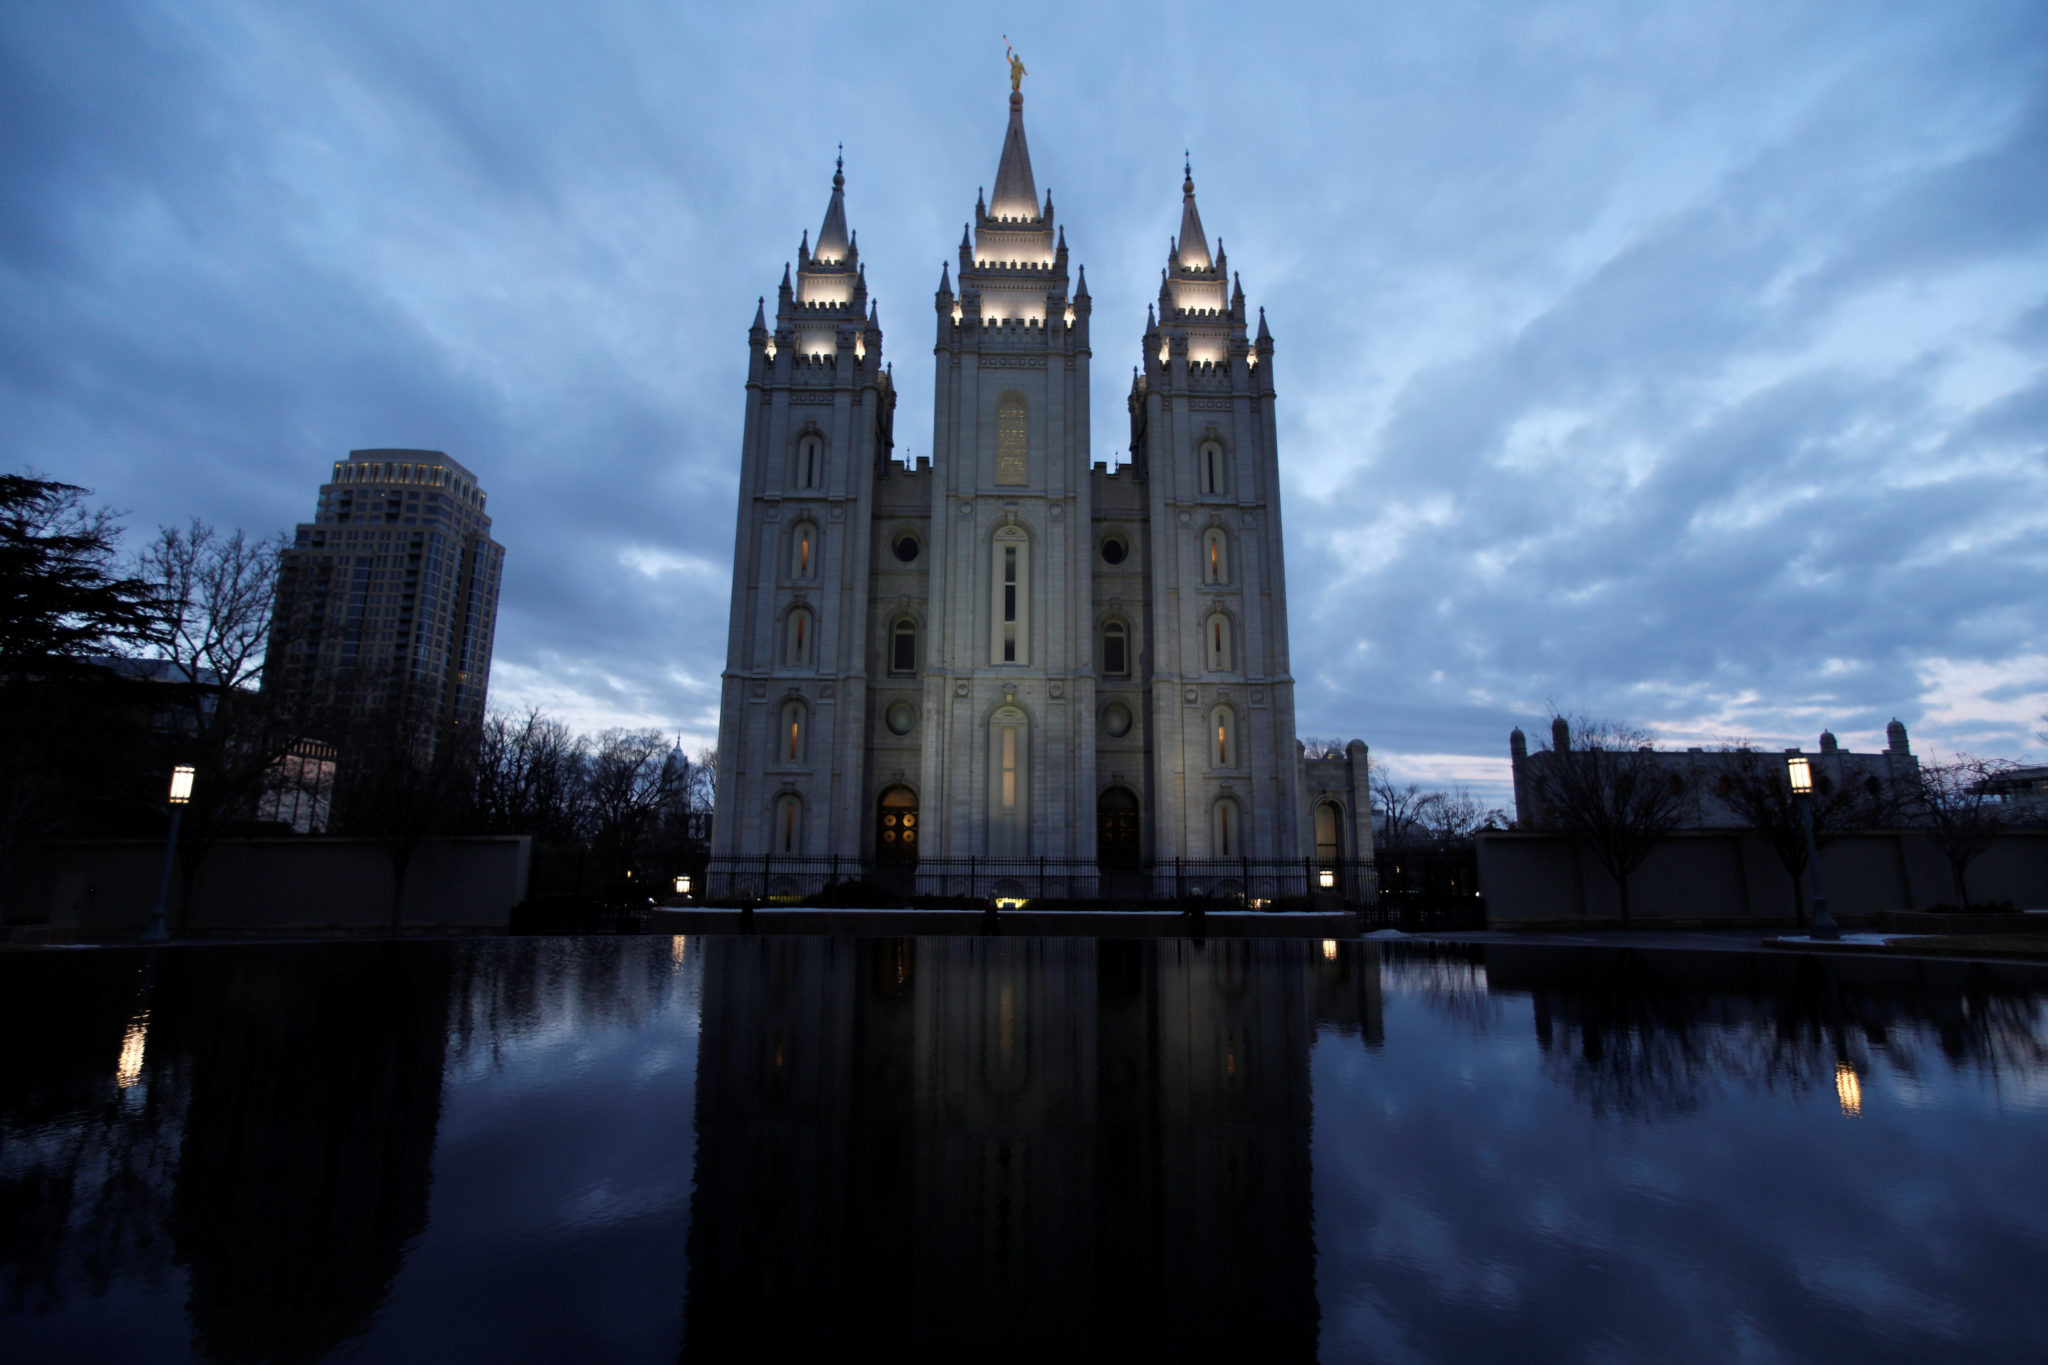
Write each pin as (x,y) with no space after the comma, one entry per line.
(181,793)
(1820,924)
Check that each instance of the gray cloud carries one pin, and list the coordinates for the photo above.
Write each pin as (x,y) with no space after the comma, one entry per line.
(1684,365)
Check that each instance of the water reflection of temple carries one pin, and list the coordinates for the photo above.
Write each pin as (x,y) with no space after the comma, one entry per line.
(1056,1146)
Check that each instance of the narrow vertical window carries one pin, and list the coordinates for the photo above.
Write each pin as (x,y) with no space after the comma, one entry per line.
(810,464)
(1227,836)
(791,740)
(1010,601)
(1212,467)
(1223,746)
(1115,650)
(799,651)
(1217,638)
(1215,556)
(802,551)
(788,824)
(1009,785)
(1009,604)
(903,648)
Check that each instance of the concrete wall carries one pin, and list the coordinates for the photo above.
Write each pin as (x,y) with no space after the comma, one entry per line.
(270,884)
(1730,876)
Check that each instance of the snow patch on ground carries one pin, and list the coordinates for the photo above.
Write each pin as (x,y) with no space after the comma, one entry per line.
(1871,940)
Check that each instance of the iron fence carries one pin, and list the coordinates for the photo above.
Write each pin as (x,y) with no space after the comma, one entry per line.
(1259,883)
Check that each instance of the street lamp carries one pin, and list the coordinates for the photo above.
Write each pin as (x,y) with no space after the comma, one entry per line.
(1820,924)
(181,794)
(683,886)
(1327,878)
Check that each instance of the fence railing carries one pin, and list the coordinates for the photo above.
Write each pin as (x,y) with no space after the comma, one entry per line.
(1259,883)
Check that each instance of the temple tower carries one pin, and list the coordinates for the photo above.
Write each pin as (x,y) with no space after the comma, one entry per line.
(1006,760)
(820,408)
(1225,771)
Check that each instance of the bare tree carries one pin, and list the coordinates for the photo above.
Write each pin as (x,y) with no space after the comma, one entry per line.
(624,789)
(704,773)
(1312,747)
(1612,791)
(212,599)
(400,781)
(214,595)
(1450,818)
(1403,808)
(1758,789)
(529,777)
(1960,807)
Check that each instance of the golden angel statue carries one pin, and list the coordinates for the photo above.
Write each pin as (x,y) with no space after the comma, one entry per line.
(1016,65)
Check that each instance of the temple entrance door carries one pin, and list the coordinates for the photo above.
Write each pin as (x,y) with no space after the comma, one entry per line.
(1116,829)
(896,829)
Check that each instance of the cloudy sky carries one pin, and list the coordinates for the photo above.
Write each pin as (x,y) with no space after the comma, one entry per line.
(1682,364)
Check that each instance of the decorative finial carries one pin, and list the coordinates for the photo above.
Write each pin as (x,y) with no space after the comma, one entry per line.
(1017,71)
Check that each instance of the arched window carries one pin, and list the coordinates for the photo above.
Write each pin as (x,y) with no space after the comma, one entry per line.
(1211,456)
(797,651)
(789,740)
(1116,650)
(1010,598)
(1013,439)
(1227,829)
(808,470)
(1215,556)
(1222,737)
(1329,842)
(1009,756)
(787,835)
(1216,641)
(903,647)
(803,550)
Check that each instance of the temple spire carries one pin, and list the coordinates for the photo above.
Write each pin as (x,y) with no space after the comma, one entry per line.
(832,238)
(1016,193)
(1194,246)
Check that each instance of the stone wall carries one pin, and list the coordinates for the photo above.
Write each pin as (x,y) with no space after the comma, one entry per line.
(1732,877)
(252,885)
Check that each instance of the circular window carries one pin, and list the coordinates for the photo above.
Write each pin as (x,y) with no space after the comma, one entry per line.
(900,717)
(1116,720)
(906,548)
(1114,550)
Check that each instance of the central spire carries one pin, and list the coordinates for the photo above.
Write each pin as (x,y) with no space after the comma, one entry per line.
(1016,193)
(1194,246)
(832,236)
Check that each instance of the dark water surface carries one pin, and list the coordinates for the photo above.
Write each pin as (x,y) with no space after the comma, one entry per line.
(647,1149)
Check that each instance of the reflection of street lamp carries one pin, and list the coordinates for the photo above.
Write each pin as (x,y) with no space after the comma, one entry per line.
(1848,1089)
(181,793)
(1820,924)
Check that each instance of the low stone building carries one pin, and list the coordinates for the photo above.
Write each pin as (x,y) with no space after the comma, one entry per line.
(1888,777)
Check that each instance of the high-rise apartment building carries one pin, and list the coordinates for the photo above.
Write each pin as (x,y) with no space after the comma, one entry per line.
(389,595)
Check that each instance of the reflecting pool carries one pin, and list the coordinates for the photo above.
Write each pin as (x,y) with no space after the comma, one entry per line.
(734,1148)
